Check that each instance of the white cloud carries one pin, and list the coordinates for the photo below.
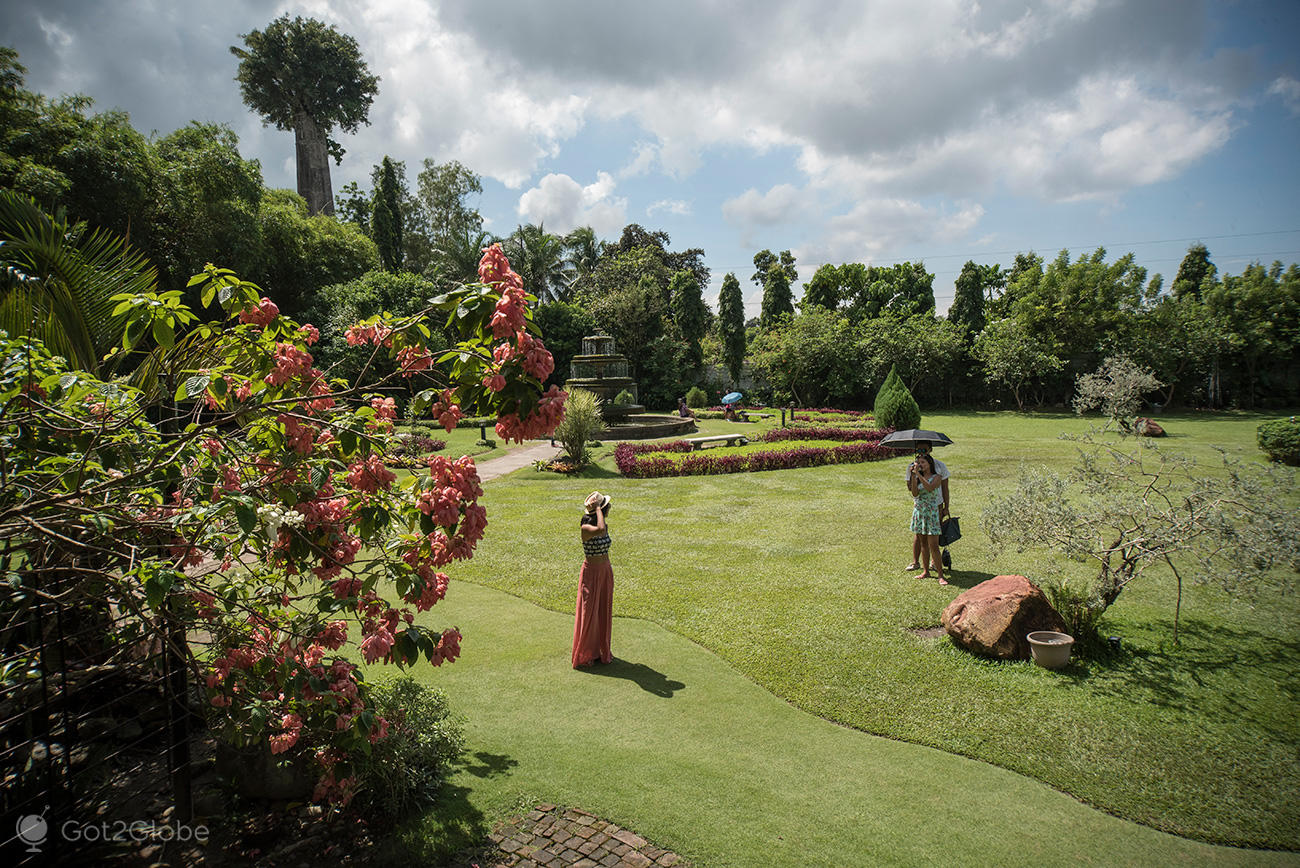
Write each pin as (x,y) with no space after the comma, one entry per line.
(752,211)
(679,207)
(561,204)
(1289,89)
(873,228)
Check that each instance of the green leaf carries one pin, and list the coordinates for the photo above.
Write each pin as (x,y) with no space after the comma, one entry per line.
(156,587)
(246,515)
(196,385)
(163,333)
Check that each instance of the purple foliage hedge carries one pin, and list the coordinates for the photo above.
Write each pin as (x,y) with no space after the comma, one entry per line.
(707,463)
(826,433)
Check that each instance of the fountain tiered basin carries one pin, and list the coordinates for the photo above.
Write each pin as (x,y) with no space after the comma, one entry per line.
(601,370)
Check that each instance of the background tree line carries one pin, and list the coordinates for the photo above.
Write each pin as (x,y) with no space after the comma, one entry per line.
(1018,335)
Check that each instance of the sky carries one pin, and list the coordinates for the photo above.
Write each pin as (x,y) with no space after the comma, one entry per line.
(875,131)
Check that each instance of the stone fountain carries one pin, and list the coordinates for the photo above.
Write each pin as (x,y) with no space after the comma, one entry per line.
(601,370)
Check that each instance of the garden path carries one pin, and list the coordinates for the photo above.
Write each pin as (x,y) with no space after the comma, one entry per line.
(515,459)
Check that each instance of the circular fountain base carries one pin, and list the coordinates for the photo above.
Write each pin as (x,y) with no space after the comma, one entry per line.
(648,426)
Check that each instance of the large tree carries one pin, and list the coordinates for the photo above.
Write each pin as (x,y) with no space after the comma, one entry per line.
(778,299)
(974,285)
(731,326)
(765,259)
(538,257)
(690,314)
(387,220)
(1193,271)
(303,75)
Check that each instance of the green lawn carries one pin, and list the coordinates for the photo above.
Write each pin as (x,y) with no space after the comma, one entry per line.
(677,745)
(793,581)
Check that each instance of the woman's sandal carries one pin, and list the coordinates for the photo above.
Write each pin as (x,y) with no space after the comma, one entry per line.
(912,566)
(942,580)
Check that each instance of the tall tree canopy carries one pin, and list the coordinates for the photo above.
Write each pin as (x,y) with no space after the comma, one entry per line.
(765,259)
(388,217)
(731,326)
(1192,271)
(303,75)
(690,314)
(778,299)
(974,286)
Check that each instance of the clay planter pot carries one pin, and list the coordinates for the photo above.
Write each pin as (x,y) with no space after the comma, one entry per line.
(1050,649)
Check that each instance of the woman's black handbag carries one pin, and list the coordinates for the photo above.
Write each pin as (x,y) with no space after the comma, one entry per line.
(949,530)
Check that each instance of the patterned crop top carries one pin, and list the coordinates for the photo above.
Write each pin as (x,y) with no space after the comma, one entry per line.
(597,545)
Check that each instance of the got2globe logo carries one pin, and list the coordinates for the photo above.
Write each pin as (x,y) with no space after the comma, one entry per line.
(32,830)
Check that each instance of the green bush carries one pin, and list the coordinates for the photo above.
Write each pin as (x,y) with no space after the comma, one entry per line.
(404,771)
(1081,609)
(623,398)
(696,397)
(895,406)
(1280,440)
(582,424)
(892,382)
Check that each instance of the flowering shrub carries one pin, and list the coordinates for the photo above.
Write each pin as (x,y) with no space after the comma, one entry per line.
(775,435)
(714,461)
(248,454)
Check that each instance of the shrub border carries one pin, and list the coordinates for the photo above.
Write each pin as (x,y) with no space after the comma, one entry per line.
(709,463)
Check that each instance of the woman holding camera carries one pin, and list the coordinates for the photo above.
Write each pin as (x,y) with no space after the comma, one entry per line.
(594,618)
(924,482)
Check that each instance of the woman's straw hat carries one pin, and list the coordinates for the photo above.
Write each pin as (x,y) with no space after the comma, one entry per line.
(596,501)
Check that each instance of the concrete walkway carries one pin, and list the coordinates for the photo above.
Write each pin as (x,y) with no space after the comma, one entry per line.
(515,459)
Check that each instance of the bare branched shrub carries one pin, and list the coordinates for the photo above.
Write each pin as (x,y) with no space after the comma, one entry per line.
(1116,389)
(1126,509)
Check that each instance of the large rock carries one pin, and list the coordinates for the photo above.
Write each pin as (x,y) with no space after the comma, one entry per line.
(994,617)
(1148,427)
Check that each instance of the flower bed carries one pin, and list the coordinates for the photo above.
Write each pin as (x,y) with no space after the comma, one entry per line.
(775,435)
(714,461)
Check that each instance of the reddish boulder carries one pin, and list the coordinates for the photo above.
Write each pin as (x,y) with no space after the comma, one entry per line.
(994,617)
(1148,427)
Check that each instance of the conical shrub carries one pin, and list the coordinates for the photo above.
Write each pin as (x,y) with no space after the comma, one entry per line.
(892,382)
(895,407)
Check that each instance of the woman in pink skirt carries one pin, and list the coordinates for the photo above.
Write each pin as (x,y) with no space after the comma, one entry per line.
(595,611)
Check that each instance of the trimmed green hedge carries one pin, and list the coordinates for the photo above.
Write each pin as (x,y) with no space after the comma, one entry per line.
(1280,440)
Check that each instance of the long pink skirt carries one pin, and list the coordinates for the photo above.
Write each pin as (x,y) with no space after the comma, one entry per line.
(594,618)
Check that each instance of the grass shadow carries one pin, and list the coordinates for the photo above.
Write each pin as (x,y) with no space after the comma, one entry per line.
(1180,677)
(450,829)
(965,579)
(649,680)
(482,764)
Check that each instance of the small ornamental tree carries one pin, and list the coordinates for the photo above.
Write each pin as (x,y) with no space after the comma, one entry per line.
(895,407)
(1124,510)
(582,423)
(1116,388)
(235,503)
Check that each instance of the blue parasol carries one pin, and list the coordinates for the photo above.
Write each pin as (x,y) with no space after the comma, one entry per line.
(731,397)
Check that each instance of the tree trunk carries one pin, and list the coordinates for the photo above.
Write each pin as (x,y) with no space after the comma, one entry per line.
(313,165)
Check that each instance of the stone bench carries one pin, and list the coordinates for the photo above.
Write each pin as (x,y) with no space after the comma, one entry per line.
(729,439)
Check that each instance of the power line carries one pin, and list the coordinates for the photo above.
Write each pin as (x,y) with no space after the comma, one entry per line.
(1121,244)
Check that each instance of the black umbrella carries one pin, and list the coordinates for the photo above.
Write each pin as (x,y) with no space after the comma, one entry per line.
(912,436)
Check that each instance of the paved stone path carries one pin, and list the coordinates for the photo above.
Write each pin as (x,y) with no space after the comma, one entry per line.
(491,468)
(552,837)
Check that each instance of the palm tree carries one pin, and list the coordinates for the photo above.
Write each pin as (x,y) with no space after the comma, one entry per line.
(583,250)
(456,256)
(538,257)
(56,281)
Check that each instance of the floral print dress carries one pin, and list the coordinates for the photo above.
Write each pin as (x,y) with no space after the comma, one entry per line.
(925,514)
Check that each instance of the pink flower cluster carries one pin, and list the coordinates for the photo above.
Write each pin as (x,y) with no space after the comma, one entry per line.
(370,475)
(302,436)
(359,334)
(494,270)
(536,358)
(539,423)
(446,411)
(290,362)
(385,413)
(412,359)
(262,315)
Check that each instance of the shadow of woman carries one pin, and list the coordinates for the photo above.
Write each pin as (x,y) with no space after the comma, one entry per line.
(646,678)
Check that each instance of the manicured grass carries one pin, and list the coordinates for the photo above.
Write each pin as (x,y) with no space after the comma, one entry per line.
(794,578)
(675,744)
